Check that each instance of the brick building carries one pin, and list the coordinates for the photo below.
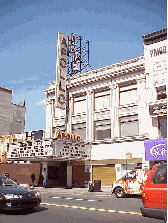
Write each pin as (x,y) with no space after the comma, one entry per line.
(12,116)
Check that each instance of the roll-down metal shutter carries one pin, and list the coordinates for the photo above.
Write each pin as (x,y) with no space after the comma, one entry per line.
(105,173)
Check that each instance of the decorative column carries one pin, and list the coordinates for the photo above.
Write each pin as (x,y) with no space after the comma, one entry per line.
(44,172)
(52,117)
(49,120)
(143,115)
(114,109)
(90,115)
(69,174)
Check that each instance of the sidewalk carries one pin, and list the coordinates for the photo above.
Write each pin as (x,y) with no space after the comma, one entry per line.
(104,190)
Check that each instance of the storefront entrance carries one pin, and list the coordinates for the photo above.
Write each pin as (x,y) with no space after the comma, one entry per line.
(57,174)
(105,173)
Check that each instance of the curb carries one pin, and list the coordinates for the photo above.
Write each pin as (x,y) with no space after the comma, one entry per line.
(80,191)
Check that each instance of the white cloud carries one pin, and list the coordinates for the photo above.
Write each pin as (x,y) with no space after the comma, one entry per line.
(42,102)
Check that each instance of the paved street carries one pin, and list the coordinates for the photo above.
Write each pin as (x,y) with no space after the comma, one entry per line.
(79,205)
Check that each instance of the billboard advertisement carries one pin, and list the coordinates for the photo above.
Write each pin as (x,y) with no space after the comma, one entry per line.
(4,144)
(156,149)
(61,69)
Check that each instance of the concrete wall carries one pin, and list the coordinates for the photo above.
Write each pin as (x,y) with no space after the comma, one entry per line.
(18,119)
(117,150)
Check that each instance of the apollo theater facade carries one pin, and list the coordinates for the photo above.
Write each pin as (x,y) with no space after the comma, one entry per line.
(102,123)
(106,110)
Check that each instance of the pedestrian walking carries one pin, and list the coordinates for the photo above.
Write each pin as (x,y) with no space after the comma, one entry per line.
(33,178)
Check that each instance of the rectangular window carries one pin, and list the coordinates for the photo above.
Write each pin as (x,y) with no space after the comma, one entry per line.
(129,126)
(161,92)
(131,175)
(102,100)
(160,175)
(162,126)
(79,105)
(80,130)
(102,130)
(128,93)
(103,134)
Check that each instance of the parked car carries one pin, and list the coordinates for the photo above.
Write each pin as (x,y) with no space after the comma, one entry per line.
(154,196)
(13,197)
(131,183)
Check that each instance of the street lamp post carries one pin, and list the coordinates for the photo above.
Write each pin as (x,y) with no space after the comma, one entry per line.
(128,156)
(126,164)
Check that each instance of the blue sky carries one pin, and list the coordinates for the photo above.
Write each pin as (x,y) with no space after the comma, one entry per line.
(28,34)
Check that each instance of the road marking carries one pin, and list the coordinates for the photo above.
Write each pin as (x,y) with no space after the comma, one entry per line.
(74,206)
(92,209)
(99,209)
(70,198)
(103,195)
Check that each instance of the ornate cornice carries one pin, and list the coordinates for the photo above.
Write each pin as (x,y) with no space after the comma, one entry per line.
(142,137)
(154,37)
(108,72)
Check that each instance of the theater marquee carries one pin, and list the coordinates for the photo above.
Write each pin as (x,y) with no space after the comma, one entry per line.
(61,68)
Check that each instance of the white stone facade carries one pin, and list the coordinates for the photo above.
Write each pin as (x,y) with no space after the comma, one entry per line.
(109,107)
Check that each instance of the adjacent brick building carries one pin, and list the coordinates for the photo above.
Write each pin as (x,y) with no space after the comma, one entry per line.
(12,116)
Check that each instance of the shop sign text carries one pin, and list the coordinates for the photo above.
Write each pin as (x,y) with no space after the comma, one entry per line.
(61,68)
(68,136)
(158,51)
(158,151)
(156,110)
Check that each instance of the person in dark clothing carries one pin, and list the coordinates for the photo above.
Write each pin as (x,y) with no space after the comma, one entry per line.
(41,178)
(6,174)
(33,178)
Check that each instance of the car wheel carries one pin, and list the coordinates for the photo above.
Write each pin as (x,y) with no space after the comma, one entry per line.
(119,192)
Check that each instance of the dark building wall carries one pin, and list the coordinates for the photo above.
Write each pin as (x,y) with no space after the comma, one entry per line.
(57,173)
(21,172)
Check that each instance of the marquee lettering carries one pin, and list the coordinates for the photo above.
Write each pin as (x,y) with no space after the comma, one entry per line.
(61,71)
(68,136)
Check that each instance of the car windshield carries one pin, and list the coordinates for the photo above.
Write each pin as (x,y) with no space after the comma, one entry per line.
(5,181)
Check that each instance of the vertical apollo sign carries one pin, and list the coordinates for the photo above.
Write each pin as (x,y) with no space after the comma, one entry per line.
(61,68)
